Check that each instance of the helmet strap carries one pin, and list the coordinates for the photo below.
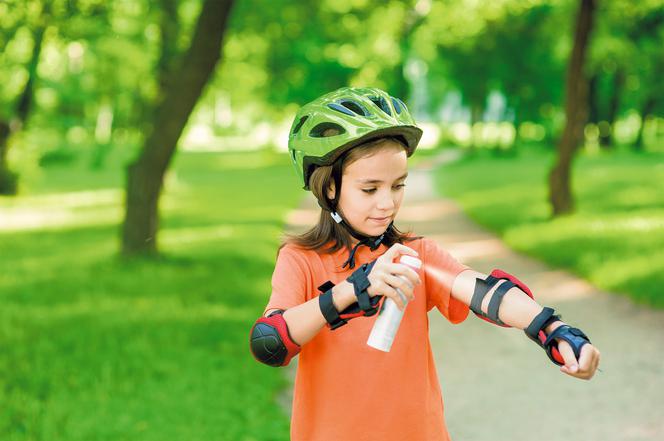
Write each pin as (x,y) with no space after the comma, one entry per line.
(336,175)
(373,242)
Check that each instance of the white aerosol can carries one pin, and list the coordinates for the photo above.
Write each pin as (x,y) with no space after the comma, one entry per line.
(389,318)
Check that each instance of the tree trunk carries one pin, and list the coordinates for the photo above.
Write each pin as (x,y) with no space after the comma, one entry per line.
(516,121)
(9,179)
(476,111)
(606,127)
(575,111)
(646,110)
(145,176)
(593,99)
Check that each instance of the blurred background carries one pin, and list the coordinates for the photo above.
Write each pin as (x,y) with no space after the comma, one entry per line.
(144,179)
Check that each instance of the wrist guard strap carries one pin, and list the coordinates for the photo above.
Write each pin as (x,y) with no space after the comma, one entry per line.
(328,310)
(364,307)
(361,283)
(535,330)
(574,336)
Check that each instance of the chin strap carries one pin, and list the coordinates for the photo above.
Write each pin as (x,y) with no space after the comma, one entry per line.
(372,242)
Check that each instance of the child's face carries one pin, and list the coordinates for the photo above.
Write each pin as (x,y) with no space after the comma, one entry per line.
(372,189)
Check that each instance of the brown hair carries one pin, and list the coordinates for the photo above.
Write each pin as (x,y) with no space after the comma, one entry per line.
(327,230)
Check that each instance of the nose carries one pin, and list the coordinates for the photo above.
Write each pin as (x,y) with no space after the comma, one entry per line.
(386,202)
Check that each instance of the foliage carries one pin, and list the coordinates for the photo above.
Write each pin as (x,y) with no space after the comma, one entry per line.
(97,348)
(616,238)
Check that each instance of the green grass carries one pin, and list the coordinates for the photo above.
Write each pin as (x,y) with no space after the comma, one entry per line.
(94,347)
(615,238)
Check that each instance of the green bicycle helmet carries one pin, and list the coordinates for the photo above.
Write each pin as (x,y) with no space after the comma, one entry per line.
(354,116)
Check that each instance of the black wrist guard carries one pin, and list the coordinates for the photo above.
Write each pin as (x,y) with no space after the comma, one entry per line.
(574,336)
(361,283)
(364,307)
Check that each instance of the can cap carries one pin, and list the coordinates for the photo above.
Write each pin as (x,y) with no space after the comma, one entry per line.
(411,261)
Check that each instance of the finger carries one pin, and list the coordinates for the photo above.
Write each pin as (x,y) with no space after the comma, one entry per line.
(571,365)
(398,249)
(406,271)
(404,285)
(383,289)
(586,357)
(377,288)
(595,359)
(395,296)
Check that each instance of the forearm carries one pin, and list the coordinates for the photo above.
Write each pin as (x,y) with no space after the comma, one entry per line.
(517,309)
(306,320)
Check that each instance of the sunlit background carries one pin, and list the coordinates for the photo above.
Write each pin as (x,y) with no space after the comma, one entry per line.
(102,339)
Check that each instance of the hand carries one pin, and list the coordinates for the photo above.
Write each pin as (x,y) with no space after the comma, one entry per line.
(585,366)
(384,280)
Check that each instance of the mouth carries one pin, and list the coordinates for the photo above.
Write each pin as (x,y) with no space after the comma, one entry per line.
(381,220)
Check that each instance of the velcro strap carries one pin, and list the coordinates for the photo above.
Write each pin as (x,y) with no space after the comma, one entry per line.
(574,336)
(326,304)
(325,286)
(497,297)
(354,311)
(482,286)
(361,283)
(535,330)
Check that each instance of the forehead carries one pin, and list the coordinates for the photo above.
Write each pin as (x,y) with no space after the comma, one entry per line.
(386,165)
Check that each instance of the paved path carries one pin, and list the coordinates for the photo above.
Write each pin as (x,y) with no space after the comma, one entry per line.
(498,385)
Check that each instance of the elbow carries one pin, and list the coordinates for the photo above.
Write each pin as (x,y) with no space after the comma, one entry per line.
(270,341)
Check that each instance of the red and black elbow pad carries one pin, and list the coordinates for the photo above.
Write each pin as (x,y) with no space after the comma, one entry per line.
(483,286)
(271,342)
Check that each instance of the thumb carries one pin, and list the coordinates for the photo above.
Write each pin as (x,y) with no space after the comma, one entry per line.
(571,364)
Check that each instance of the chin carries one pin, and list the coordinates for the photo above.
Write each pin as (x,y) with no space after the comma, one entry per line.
(375,231)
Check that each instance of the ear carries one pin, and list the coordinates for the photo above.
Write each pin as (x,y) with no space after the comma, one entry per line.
(331,190)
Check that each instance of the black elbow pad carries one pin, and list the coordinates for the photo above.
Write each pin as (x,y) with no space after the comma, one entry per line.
(270,341)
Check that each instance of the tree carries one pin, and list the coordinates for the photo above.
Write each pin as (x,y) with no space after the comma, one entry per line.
(576,112)
(183,89)
(24,103)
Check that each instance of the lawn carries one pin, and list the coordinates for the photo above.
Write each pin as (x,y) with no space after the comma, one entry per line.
(99,348)
(615,238)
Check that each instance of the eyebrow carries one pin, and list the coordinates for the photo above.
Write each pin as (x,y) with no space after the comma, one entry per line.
(378,181)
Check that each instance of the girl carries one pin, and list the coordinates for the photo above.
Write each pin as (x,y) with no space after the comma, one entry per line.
(350,148)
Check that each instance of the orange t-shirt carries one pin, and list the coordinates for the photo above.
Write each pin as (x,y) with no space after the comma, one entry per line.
(346,390)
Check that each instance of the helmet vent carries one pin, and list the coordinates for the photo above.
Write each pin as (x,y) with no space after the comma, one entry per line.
(299,124)
(325,129)
(403,106)
(355,107)
(339,108)
(380,102)
(397,106)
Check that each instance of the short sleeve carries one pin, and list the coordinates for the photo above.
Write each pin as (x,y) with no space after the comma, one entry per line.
(289,279)
(440,271)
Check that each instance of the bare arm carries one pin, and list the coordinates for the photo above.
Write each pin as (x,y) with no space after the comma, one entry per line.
(306,320)
(518,310)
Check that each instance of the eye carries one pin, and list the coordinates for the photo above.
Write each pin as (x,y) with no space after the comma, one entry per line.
(369,190)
